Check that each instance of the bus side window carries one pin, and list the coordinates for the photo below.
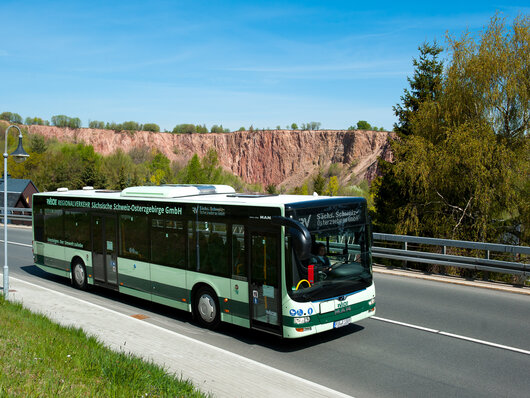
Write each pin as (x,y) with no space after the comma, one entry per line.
(239,269)
(77,229)
(168,243)
(53,226)
(38,222)
(218,250)
(134,234)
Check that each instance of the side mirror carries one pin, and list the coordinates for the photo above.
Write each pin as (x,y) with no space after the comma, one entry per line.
(301,238)
(301,243)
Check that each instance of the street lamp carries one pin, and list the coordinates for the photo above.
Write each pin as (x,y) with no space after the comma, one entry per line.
(19,155)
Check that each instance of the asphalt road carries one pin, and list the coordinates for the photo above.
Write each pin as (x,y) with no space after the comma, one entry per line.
(373,358)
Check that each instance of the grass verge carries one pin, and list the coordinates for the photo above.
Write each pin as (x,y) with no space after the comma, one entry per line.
(41,358)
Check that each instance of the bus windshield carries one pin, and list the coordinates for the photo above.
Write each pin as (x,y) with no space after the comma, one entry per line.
(340,263)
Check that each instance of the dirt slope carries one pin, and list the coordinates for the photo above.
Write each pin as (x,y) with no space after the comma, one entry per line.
(280,157)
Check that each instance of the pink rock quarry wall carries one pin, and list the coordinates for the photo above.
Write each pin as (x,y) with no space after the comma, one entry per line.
(279,157)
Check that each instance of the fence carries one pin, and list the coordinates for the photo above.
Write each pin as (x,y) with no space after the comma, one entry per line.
(476,263)
(17,215)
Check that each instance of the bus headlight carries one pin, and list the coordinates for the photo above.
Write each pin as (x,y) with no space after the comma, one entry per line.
(301,320)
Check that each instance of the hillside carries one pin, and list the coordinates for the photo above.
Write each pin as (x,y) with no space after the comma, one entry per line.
(280,157)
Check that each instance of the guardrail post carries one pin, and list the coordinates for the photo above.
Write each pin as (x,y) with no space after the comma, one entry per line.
(486,274)
(405,247)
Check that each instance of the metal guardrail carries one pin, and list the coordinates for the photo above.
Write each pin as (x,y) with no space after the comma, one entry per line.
(452,260)
(16,213)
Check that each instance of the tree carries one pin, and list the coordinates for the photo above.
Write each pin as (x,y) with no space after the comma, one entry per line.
(66,121)
(271,189)
(59,120)
(5,116)
(35,121)
(37,143)
(363,125)
(119,170)
(461,169)
(131,126)
(425,85)
(217,129)
(96,124)
(201,129)
(193,171)
(184,129)
(113,126)
(314,125)
(319,183)
(74,123)
(294,126)
(155,128)
(333,186)
(11,117)
(159,169)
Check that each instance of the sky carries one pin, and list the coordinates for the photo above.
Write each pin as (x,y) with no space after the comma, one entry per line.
(235,63)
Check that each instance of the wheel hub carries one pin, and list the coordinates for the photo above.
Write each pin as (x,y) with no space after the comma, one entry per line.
(79,274)
(207,308)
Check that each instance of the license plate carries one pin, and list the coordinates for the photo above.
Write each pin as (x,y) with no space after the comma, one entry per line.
(342,322)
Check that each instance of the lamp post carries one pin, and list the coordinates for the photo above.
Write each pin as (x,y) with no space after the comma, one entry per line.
(19,155)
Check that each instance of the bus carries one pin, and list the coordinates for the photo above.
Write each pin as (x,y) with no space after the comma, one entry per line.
(246,259)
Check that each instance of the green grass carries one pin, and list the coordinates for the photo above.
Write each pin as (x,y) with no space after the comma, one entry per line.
(41,358)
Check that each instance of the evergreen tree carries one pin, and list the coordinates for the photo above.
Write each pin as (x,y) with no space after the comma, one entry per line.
(319,183)
(424,85)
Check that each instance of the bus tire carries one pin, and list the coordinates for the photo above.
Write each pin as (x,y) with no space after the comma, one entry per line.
(206,308)
(79,278)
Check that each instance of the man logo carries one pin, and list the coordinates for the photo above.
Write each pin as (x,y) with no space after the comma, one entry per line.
(305,221)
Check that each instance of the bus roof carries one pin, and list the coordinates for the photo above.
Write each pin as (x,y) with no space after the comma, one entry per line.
(195,193)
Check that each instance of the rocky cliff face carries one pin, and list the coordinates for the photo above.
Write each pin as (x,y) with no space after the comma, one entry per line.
(280,157)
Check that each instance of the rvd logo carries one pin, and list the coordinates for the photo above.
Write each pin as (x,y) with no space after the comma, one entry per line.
(305,220)
(342,305)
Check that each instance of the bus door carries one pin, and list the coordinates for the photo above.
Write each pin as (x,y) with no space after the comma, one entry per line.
(264,281)
(104,249)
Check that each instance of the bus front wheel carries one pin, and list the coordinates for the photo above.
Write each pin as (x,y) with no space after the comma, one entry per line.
(79,278)
(207,308)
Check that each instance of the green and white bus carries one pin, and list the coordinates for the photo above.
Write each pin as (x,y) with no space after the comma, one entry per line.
(249,260)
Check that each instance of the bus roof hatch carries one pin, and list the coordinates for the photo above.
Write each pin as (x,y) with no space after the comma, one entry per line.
(176,190)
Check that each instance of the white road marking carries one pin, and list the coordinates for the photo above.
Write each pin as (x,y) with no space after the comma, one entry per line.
(16,243)
(455,336)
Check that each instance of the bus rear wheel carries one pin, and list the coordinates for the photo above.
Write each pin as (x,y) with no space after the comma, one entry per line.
(79,279)
(207,308)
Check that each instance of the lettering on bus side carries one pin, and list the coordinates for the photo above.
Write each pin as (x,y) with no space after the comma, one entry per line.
(51,202)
